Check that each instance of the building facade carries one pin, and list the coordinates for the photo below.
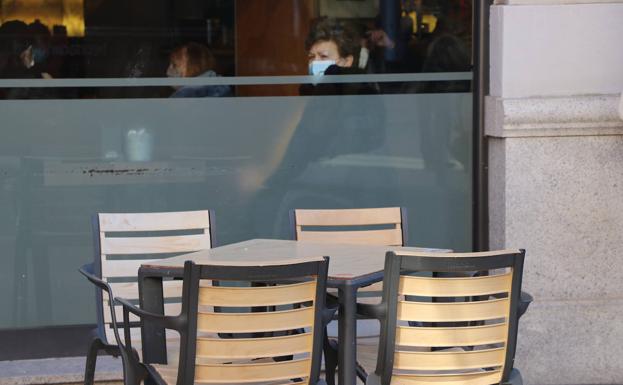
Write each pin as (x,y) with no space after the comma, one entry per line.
(555,143)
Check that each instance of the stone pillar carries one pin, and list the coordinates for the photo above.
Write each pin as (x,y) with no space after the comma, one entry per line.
(556,180)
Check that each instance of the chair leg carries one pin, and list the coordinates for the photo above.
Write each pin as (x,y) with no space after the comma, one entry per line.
(330,359)
(361,373)
(514,378)
(133,371)
(89,370)
(96,346)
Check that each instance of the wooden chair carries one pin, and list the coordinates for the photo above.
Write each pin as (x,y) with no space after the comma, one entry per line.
(477,347)
(386,226)
(207,359)
(121,244)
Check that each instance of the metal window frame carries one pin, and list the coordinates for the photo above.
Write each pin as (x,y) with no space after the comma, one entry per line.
(480,166)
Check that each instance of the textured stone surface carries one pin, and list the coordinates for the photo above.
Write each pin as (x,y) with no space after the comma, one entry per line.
(497,191)
(545,50)
(564,204)
(574,342)
(561,198)
(550,2)
(589,115)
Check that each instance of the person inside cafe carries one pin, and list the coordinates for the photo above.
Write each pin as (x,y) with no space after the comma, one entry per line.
(333,48)
(16,51)
(194,60)
(328,127)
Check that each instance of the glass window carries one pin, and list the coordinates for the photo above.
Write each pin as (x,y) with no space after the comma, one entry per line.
(247,107)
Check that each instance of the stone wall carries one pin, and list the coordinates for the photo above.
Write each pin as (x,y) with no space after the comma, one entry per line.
(556,180)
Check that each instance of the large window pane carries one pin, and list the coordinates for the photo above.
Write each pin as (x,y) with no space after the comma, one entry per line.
(108,130)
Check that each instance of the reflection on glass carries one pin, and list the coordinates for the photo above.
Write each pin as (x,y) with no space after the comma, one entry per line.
(68,14)
(98,39)
(248,107)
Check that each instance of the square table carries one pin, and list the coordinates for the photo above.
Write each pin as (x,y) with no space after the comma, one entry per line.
(351,267)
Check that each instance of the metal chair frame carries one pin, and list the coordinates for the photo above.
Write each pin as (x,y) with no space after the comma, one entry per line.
(386,311)
(186,322)
(93,272)
(330,346)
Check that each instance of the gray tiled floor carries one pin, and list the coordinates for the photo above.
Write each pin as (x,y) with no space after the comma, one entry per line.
(61,371)
(57,371)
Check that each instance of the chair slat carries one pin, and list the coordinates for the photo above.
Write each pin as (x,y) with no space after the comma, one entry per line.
(122,268)
(155,245)
(451,336)
(169,309)
(476,359)
(129,290)
(232,373)
(254,347)
(184,220)
(348,217)
(255,322)
(453,312)
(257,296)
(386,237)
(477,378)
(455,287)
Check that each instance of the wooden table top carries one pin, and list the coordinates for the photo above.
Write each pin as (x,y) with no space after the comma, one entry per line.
(347,261)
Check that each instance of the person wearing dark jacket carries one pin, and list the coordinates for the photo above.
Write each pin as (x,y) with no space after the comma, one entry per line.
(195,60)
(339,118)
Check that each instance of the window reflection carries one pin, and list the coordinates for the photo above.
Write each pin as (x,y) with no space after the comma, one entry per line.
(143,38)
(249,107)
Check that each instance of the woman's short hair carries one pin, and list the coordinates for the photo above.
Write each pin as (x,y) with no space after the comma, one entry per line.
(339,32)
(198,58)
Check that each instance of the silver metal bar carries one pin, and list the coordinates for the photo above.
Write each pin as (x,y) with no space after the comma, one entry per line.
(234,81)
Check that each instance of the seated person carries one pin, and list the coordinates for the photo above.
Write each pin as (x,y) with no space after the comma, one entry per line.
(333,48)
(16,53)
(194,60)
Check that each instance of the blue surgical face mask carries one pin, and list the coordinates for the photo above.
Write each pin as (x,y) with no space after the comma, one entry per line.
(318,67)
(39,54)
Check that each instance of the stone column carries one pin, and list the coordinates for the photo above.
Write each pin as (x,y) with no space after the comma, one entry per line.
(556,180)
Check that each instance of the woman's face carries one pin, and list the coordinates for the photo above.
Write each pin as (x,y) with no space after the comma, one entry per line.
(327,50)
(177,67)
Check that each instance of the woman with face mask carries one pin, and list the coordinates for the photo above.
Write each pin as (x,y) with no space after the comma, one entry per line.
(338,119)
(41,36)
(194,60)
(16,53)
(333,48)
(17,61)
(331,43)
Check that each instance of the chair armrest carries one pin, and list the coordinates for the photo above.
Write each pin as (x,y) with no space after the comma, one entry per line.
(371,310)
(524,301)
(328,313)
(87,271)
(170,322)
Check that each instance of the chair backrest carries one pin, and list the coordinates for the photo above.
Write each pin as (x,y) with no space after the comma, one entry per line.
(124,241)
(297,287)
(385,226)
(460,329)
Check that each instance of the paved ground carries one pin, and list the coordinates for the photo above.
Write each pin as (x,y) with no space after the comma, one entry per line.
(58,371)
(70,371)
